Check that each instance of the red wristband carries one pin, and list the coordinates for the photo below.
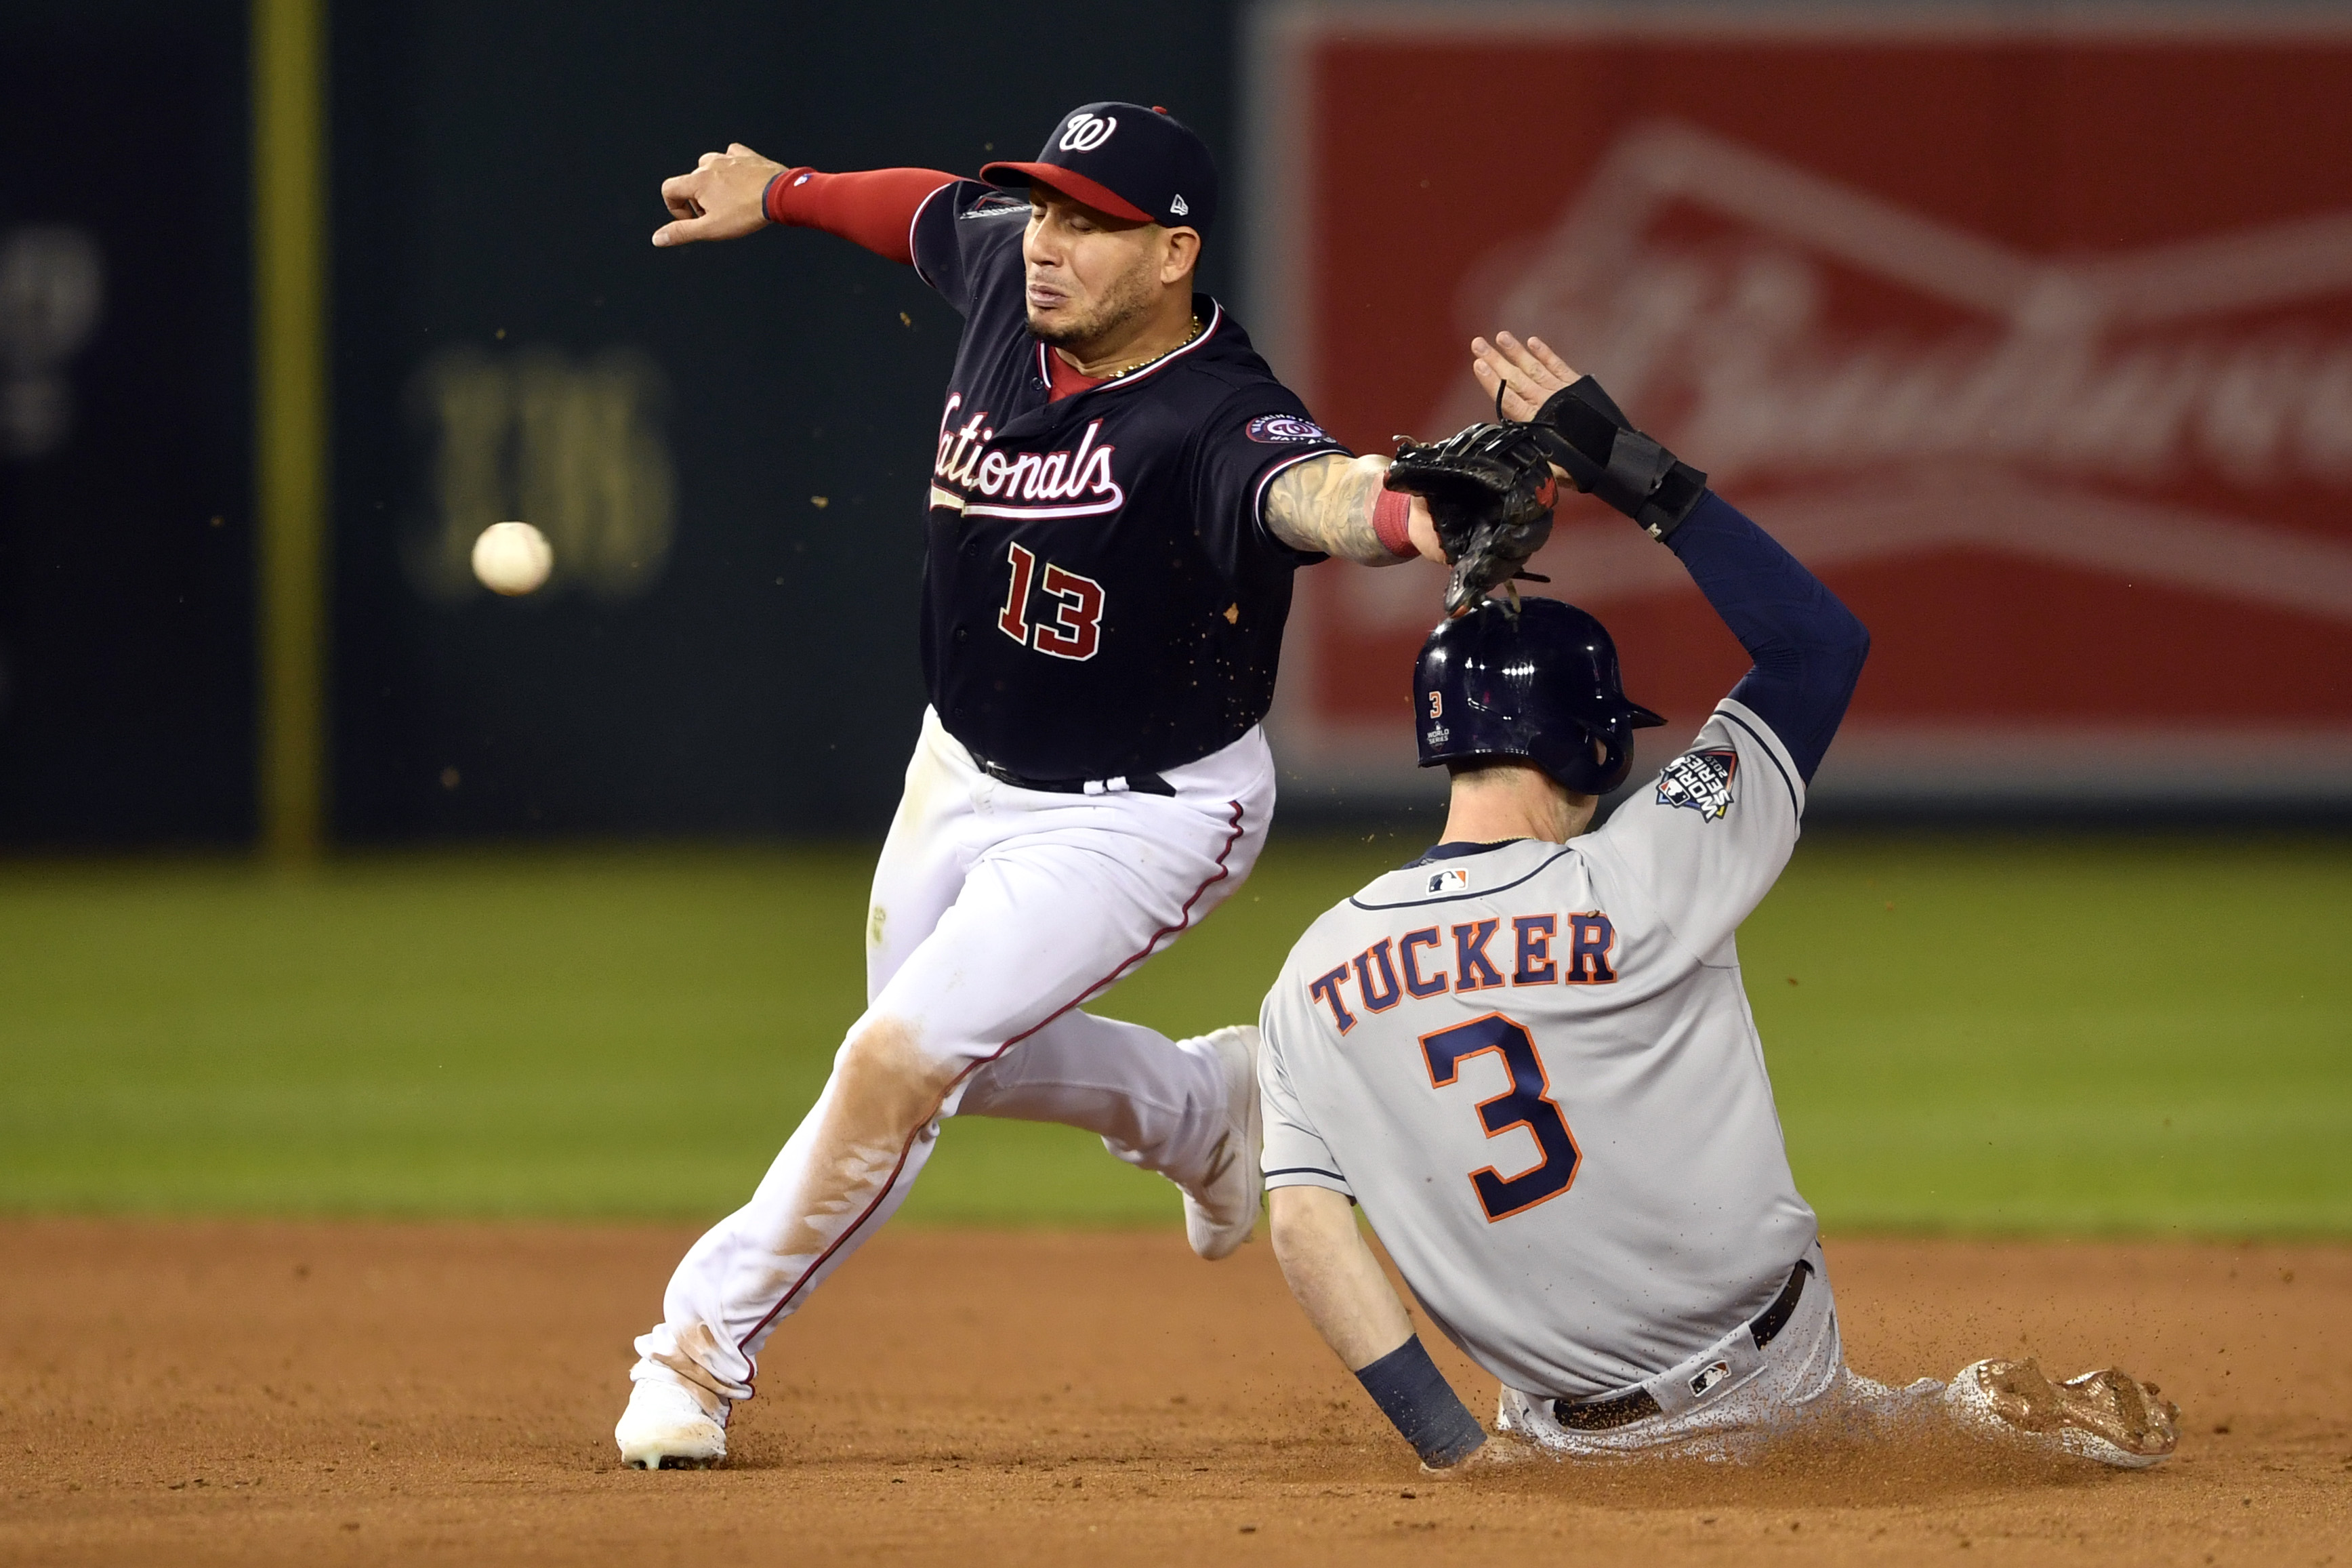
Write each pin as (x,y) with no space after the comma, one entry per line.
(1392,522)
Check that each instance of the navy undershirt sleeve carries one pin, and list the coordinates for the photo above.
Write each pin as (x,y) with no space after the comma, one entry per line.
(1807,647)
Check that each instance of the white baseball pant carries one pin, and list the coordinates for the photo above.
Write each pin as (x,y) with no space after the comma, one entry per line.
(996,912)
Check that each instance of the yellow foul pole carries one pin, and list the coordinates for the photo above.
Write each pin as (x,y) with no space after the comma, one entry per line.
(289,298)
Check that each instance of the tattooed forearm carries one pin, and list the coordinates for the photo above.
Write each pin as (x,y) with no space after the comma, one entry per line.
(1325,504)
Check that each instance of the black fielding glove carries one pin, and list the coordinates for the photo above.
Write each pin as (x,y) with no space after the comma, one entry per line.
(1490,493)
(1604,456)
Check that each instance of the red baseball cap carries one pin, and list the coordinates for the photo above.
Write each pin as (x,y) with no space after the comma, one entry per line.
(1128,160)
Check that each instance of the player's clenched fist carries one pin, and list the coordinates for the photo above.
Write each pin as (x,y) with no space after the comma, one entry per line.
(724,199)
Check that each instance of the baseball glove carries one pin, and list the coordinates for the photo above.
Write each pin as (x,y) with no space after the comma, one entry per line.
(1490,493)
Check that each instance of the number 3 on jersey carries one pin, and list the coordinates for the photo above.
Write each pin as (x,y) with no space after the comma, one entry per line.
(1527,1103)
(1075,630)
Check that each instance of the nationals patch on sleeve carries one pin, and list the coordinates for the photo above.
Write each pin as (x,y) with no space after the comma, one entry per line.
(1701,780)
(1285,429)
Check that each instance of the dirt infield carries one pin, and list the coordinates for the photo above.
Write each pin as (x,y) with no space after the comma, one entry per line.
(332,1393)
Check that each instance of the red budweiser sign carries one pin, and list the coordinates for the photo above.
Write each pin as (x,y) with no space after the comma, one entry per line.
(2036,346)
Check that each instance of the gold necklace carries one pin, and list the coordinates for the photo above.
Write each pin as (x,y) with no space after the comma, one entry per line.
(1154,358)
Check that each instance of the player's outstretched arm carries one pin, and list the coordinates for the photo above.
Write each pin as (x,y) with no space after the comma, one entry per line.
(737,192)
(1340,1286)
(1809,648)
(1331,504)
(723,198)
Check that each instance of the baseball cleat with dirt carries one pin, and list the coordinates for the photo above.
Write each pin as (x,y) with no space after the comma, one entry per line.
(2107,1415)
(669,1426)
(1221,1210)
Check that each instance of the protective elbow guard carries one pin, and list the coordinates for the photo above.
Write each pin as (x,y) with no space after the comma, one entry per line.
(1606,456)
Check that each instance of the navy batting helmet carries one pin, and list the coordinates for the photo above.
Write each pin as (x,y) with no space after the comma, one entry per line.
(1541,684)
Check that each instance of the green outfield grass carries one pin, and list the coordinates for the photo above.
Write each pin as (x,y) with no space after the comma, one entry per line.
(2042,1034)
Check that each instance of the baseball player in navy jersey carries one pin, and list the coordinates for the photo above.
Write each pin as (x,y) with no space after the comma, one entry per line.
(1120,491)
(1529,1057)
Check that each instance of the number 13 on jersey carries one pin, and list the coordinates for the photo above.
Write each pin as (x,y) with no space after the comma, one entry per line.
(1527,1104)
(1075,630)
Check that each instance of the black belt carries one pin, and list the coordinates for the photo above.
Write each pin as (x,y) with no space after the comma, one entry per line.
(1640,1404)
(1133,783)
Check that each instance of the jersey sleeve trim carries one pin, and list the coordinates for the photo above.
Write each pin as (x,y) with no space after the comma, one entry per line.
(1310,1176)
(1280,467)
(1774,750)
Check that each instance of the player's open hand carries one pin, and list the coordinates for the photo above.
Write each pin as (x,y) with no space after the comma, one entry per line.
(1526,372)
(722,199)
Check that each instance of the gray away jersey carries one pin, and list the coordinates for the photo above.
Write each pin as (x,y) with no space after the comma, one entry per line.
(1534,1066)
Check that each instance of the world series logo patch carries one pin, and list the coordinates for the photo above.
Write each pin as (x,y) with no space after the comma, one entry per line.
(1701,780)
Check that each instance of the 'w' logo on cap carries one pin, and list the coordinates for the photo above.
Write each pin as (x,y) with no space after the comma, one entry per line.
(1087,131)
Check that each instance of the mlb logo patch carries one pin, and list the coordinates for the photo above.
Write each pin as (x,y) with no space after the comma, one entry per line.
(1450,880)
(1701,780)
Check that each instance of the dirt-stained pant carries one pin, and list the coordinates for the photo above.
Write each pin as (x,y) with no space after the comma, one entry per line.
(996,912)
(1735,1392)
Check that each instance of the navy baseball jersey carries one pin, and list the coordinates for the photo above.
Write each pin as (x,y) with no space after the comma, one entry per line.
(1100,594)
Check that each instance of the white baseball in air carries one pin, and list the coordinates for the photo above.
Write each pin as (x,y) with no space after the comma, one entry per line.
(512,558)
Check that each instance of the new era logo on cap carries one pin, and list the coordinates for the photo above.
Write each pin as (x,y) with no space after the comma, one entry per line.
(1127,160)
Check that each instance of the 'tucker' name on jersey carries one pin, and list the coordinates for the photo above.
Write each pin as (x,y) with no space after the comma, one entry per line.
(1412,965)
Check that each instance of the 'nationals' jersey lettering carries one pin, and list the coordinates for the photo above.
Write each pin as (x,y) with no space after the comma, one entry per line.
(1100,594)
(1053,484)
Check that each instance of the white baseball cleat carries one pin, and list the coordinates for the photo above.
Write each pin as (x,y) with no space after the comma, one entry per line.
(1220,1212)
(2107,1415)
(668,1426)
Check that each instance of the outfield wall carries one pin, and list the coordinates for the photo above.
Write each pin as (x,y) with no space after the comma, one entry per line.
(126,495)
(2030,327)
(728,445)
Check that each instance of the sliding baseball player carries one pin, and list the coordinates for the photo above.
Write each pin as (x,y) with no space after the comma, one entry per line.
(1528,1054)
